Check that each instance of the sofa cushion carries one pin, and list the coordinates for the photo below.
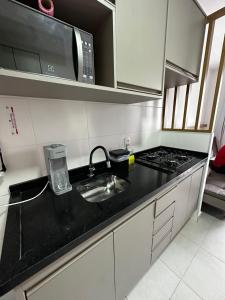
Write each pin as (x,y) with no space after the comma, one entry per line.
(216,179)
(215,191)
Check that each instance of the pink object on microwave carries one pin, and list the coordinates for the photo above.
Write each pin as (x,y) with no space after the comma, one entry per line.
(46,6)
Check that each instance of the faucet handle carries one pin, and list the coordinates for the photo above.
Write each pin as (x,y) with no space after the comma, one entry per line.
(91,171)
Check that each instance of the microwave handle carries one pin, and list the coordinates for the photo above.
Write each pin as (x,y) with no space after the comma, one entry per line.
(80,55)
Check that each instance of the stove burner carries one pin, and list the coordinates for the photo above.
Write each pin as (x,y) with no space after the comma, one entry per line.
(166,160)
(151,157)
(181,157)
(162,153)
(171,163)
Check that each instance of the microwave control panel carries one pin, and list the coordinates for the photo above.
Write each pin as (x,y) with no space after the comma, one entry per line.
(88,75)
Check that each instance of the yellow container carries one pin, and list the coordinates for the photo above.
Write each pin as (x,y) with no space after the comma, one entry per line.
(131,159)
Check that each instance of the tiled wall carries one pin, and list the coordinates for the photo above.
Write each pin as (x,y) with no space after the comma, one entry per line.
(79,125)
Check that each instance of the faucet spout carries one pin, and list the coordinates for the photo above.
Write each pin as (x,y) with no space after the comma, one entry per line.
(91,166)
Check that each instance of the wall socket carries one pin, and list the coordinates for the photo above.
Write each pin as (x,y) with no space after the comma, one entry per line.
(127,141)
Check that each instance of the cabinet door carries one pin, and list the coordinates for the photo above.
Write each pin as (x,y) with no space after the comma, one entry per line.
(140,39)
(88,277)
(181,203)
(132,248)
(196,180)
(3,218)
(185,35)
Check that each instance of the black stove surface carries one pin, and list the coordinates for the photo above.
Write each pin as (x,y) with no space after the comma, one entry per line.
(168,160)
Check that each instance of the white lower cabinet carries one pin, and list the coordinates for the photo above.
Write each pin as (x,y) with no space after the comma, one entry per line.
(112,267)
(90,276)
(187,193)
(181,203)
(196,180)
(3,218)
(132,248)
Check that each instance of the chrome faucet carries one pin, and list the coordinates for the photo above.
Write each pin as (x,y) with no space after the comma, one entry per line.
(91,166)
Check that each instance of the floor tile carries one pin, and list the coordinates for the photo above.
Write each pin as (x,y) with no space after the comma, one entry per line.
(183,292)
(158,284)
(206,276)
(179,254)
(197,231)
(215,240)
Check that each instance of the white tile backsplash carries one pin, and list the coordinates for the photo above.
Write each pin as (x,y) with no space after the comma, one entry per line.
(79,125)
(105,119)
(58,120)
(21,157)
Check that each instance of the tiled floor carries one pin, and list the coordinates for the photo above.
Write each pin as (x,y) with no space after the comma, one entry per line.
(191,268)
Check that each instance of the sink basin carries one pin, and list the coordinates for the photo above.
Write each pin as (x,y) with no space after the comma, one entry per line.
(101,187)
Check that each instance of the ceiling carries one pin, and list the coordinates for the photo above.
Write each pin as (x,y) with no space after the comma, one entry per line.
(210,6)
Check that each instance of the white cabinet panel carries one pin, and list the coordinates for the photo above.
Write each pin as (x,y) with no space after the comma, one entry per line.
(89,277)
(196,180)
(3,218)
(182,198)
(132,247)
(185,35)
(140,39)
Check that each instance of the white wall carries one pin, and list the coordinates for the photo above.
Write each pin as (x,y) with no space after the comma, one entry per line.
(79,125)
(187,140)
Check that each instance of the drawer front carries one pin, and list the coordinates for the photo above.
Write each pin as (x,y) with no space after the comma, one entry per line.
(159,249)
(163,218)
(159,236)
(164,202)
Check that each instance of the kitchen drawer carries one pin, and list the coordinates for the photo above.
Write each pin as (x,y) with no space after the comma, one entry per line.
(159,236)
(165,201)
(162,245)
(163,218)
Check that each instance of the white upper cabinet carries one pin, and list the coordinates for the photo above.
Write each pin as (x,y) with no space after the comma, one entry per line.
(140,44)
(185,35)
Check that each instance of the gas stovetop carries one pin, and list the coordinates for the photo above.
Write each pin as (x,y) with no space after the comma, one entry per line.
(168,160)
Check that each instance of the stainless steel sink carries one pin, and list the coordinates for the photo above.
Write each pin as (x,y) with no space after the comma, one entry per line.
(101,187)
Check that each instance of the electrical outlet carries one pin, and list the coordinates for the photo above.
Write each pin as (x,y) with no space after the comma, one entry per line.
(127,141)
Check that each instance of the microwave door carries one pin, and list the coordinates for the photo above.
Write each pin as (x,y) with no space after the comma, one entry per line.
(80,57)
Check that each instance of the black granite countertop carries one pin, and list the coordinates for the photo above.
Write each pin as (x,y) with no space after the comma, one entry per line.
(39,232)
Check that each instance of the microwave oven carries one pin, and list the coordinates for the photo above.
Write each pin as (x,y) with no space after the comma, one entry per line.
(34,42)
